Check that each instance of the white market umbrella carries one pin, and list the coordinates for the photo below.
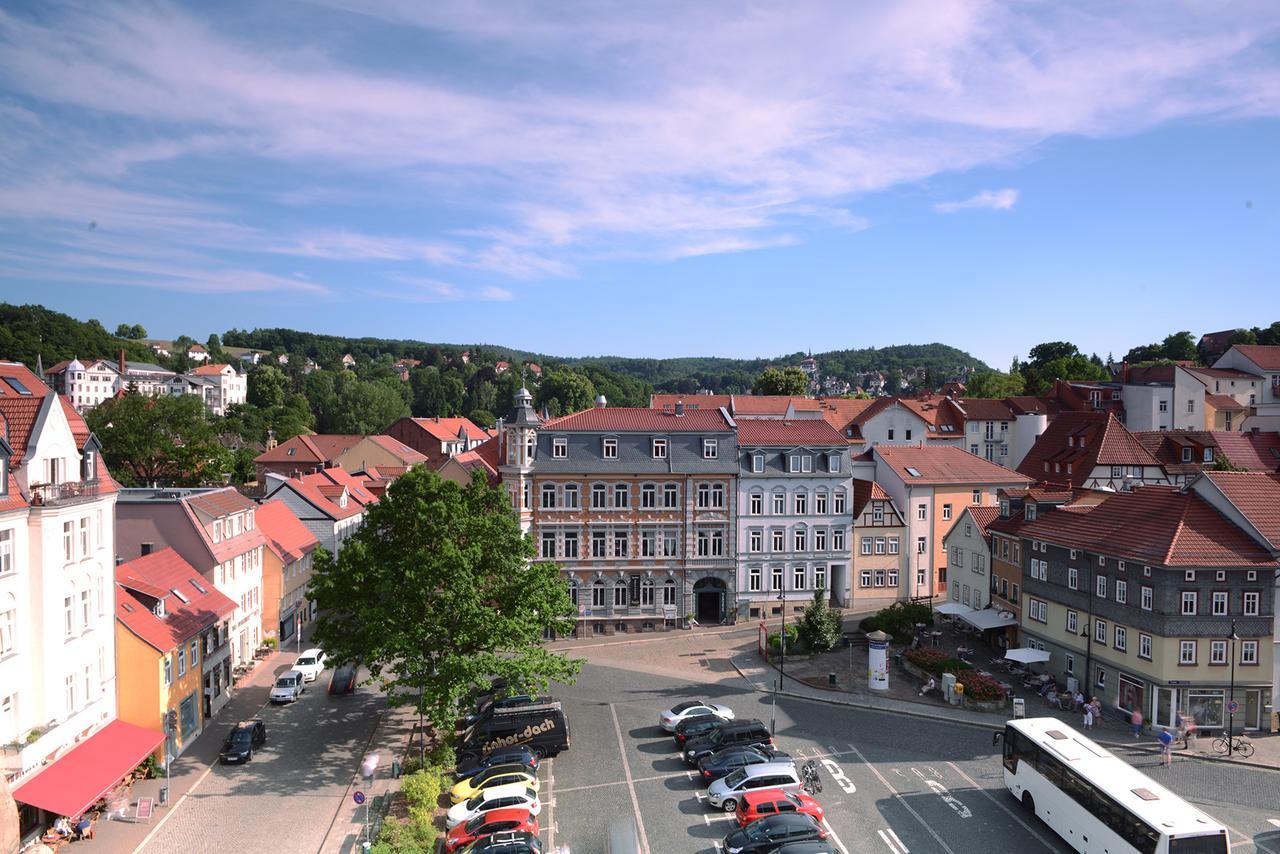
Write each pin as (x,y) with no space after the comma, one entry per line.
(1027,656)
(952,608)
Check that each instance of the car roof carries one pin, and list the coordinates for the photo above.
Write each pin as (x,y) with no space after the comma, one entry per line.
(766,796)
(762,768)
(506,790)
(249,724)
(315,650)
(291,672)
(796,818)
(508,814)
(504,768)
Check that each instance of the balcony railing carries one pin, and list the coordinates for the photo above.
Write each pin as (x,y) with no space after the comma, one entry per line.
(54,494)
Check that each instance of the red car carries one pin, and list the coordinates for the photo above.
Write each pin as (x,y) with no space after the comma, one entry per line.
(494,821)
(763,803)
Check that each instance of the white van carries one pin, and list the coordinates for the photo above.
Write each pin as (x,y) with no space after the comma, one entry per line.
(726,792)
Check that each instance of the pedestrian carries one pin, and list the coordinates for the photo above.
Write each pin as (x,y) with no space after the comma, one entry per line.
(1077,701)
(1097,711)
(1166,746)
(929,686)
(1088,716)
(1136,720)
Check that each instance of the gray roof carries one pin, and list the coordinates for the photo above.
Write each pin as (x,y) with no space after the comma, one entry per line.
(635,455)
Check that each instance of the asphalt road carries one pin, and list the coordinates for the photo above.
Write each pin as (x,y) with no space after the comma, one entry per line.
(892,783)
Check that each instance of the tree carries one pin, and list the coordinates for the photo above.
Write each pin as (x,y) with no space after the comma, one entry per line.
(792,382)
(436,593)
(820,626)
(358,406)
(267,386)
(133,332)
(1058,360)
(994,384)
(1180,347)
(563,391)
(482,418)
(168,440)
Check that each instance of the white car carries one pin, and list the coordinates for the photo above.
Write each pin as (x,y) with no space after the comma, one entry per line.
(310,664)
(671,718)
(510,796)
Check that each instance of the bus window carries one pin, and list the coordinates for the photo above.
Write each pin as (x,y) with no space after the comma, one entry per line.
(1198,844)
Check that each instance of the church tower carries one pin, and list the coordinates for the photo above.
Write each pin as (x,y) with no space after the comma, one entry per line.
(518,451)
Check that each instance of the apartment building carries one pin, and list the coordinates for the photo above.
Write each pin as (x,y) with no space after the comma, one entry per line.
(1091,450)
(438,439)
(794,487)
(1263,362)
(286,570)
(968,546)
(330,503)
(879,545)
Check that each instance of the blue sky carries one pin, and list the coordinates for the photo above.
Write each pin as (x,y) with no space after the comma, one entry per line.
(678,179)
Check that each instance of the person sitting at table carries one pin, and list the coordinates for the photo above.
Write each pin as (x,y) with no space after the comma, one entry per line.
(62,827)
(84,828)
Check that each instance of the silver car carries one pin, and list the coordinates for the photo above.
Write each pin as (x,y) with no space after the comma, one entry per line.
(288,688)
(727,792)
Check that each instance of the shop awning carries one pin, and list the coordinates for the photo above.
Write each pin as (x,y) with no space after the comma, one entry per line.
(989,618)
(74,782)
(1027,655)
(952,608)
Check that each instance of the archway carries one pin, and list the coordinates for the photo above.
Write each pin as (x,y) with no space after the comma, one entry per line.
(708,601)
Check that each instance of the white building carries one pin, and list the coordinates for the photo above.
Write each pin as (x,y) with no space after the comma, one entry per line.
(57,591)
(85,384)
(968,548)
(330,503)
(1262,361)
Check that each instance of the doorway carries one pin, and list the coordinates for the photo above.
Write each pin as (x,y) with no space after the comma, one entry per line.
(708,601)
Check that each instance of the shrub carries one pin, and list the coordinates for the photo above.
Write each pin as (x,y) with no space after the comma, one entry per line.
(411,836)
(423,788)
(979,687)
(820,626)
(793,638)
(899,620)
(928,659)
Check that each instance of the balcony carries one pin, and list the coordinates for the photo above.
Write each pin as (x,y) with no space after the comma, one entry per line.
(997,438)
(62,494)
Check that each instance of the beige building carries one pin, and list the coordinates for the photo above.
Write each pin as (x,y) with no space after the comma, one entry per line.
(879,552)
(286,571)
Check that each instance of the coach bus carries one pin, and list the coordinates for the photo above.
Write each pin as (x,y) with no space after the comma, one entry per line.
(1096,801)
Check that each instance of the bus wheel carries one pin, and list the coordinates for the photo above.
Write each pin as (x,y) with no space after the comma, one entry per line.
(1029,804)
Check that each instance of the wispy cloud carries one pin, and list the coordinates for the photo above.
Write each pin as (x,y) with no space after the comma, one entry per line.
(992,200)
(406,288)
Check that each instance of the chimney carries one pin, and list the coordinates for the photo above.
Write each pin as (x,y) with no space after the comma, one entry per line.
(122,364)
(1253,431)
(601,402)
(679,408)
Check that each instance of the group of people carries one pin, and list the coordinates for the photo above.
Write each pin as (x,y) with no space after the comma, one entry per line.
(81,829)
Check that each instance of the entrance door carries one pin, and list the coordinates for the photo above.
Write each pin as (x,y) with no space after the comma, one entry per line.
(1256,701)
(708,601)
(1165,703)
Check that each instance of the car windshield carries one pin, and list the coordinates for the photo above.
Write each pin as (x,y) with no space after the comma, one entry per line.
(307,659)
(716,736)
(285,682)
(684,707)
(735,778)
(475,824)
(241,736)
(794,798)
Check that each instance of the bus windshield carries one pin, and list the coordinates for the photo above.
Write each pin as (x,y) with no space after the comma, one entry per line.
(1216,844)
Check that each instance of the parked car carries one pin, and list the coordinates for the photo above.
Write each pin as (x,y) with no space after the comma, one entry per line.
(733,733)
(344,678)
(713,766)
(310,664)
(542,728)
(288,688)
(498,775)
(487,824)
(243,739)
(515,842)
(511,796)
(696,727)
(486,708)
(727,792)
(519,754)
(669,719)
(769,834)
(766,802)
(813,846)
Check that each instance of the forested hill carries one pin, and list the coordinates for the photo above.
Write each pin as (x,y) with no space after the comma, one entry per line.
(30,330)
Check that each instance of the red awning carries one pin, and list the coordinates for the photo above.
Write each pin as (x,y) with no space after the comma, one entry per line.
(74,783)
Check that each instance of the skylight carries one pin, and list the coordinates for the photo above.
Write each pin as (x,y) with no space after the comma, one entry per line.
(913,471)
(16,385)
(181,598)
(197,585)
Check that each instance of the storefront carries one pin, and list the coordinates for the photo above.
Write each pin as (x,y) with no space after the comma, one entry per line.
(1208,706)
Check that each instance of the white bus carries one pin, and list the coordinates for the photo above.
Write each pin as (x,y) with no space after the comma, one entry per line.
(1096,801)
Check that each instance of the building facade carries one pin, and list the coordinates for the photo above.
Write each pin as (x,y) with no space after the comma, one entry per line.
(330,503)
(968,546)
(286,570)
(879,546)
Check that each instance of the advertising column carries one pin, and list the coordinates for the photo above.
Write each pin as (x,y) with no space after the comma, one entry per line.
(877,661)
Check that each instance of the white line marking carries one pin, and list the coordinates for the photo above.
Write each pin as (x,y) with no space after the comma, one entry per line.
(936,838)
(837,774)
(831,831)
(897,841)
(889,842)
(626,770)
(551,805)
(1013,815)
(947,798)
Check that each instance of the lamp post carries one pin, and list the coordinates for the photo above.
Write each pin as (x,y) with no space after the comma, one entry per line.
(782,660)
(1231,695)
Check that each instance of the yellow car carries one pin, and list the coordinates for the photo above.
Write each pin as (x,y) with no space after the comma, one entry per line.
(498,775)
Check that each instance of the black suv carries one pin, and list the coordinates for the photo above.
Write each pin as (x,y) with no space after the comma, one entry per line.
(713,766)
(728,734)
(772,832)
(695,727)
(506,842)
(242,740)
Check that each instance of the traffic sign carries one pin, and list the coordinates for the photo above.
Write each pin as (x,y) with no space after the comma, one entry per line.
(358,797)
(1233,707)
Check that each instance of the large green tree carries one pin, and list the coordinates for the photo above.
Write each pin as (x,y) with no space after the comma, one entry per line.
(994,384)
(437,592)
(792,382)
(1057,360)
(168,440)
(563,390)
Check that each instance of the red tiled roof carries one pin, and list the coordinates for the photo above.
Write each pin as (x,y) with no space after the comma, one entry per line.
(402,452)
(158,575)
(1251,451)
(20,410)
(12,500)
(1028,405)
(1150,374)
(209,370)
(446,429)
(865,491)
(313,487)
(1224,402)
(314,449)
(286,536)
(1225,374)
(944,464)
(1011,526)
(983,517)
(810,432)
(1153,524)
(79,430)
(1265,356)
(1096,438)
(840,412)
(1256,495)
(637,420)
(219,503)
(984,409)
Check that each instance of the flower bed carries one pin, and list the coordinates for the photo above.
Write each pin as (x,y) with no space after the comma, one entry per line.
(977,688)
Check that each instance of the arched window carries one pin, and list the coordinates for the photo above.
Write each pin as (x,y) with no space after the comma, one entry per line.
(69,610)
(597,594)
(573,591)
(669,592)
(646,593)
(620,593)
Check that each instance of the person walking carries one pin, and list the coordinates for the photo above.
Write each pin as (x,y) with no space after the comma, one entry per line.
(1088,716)
(1077,700)
(1136,720)
(1166,746)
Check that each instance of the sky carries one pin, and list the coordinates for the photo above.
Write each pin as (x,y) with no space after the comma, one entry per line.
(657,179)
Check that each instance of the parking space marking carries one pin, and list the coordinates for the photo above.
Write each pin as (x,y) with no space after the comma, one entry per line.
(551,806)
(631,789)
(831,831)
(898,797)
(941,791)
(1027,827)
(891,839)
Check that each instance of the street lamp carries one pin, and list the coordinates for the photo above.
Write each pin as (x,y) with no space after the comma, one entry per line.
(782,660)
(1231,695)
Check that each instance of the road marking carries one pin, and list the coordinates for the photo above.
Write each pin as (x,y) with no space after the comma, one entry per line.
(551,806)
(947,798)
(936,838)
(672,776)
(1013,815)
(890,838)
(837,774)
(174,809)
(626,770)
(831,831)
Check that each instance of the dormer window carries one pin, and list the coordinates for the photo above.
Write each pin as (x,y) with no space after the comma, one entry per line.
(559,448)
(833,463)
(217,530)
(1031,512)
(1186,455)
(342,500)
(4,474)
(757,463)
(609,449)
(291,452)
(659,449)
(710,449)
(158,610)
(89,466)
(1208,455)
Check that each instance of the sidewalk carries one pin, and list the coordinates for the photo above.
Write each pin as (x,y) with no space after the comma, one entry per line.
(761,676)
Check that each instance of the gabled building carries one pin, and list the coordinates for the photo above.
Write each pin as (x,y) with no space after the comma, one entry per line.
(57,544)
(438,439)
(286,570)
(304,454)
(215,531)
(1262,361)
(879,544)
(1186,453)
(172,649)
(968,546)
(794,487)
(482,458)
(330,502)
(220,386)
(85,384)
(1092,450)
(198,353)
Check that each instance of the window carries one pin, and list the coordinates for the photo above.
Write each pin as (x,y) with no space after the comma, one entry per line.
(548,496)
(957,556)
(710,449)
(8,627)
(168,670)
(646,593)
(820,503)
(548,545)
(621,496)
(659,449)
(833,463)
(1164,406)
(798,576)
(801,539)
(1100,631)
(1120,564)
(880,544)
(619,594)
(893,545)
(1144,646)
(877,513)
(69,614)
(755,504)
(977,496)
(837,539)
(838,503)
(946,512)
(1191,404)
(1120,639)
(891,434)
(710,495)
(648,496)
(820,539)
(755,541)
(920,545)
(776,578)
(1189,602)
(1189,575)
(1249,652)
(802,503)
(599,496)
(1187,652)
(85,609)
(866,545)
(571,496)
(777,539)
(620,541)
(68,542)
(1219,603)
(1122,592)
(669,592)
(609,449)
(793,463)
(1217,652)
(597,594)
(757,463)
(779,503)
(1146,598)
(1073,622)
(1101,679)
(710,543)
(6,552)
(1100,585)
(670,544)
(182,661)
(1038,611)
(1251,603)
(922,512)
(907,434)
(599,547)
(571,544)
(1073,578)
(753,579)
(670,496)
(864,578)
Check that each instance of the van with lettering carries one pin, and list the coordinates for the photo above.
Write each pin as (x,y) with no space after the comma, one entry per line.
(541,727)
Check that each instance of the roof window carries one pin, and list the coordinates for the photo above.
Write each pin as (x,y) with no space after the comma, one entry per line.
(913,471)
(183,599)
(16,385)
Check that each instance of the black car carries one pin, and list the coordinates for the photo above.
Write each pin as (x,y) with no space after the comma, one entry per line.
(343,680)
(243,739)
(507,842)
(713,766)
(695,727)
(811,847)
(486,708)
(739,733)
(518,754)
(769,834)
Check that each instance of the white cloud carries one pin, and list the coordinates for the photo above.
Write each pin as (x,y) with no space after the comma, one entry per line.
(409,288)
(993,200)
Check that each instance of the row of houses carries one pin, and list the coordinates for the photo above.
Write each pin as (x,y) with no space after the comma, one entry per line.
(88,384)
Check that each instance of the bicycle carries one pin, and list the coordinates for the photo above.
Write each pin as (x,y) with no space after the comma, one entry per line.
(812,780)
(1235,744)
